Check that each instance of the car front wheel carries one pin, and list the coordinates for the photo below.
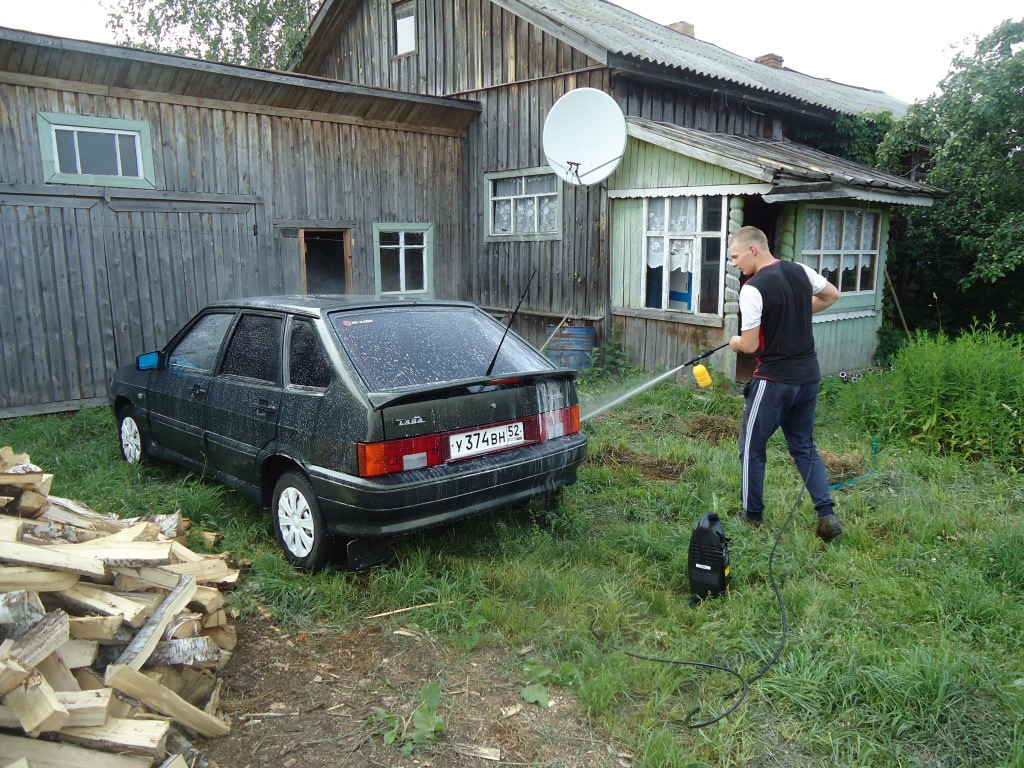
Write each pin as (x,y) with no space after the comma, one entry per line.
(133,449)
(298,524)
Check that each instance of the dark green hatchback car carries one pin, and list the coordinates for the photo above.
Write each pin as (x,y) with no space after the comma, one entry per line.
(354,419)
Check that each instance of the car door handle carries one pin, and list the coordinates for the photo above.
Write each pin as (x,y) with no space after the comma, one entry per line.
(264,406)
(198,391)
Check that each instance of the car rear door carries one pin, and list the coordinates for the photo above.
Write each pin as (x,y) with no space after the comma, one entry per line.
(176,397)
(245,398)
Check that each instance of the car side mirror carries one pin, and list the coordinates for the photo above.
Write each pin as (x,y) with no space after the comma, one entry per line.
(148,362)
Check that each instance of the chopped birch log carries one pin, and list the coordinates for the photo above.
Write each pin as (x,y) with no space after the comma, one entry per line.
(43,638)
(57,673)
(192,651)
(175,761)
(165,701)
(44,754)
(139,649)
(137,579)
(19,610)
(226,637)
(35,579)
(95,627)
(207,599)
(77,514)
(17,553)
(36,706)
(135,737)
(210,571)
(85,708)
(11,528)
(77,653)
(96,600)
(118,554)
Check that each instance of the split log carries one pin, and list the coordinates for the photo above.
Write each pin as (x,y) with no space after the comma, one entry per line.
(57,673)
(209,571)
(75,513)
(118,554)
(165,701)
(138,579)
(175,761)
(19,610)
(76,653)
(192,651)
(11,528)
(35,579)
(98,601)
(85,708)
(44,754)
(207,600)
(17,553)
(43,638)
(35,705)
(139,649)
(226,637)
(95,627)
(135,737)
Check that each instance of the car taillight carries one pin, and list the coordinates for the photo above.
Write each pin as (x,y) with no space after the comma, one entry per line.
(400,455)
(430,450)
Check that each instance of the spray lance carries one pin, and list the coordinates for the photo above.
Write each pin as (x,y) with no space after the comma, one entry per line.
(700,373)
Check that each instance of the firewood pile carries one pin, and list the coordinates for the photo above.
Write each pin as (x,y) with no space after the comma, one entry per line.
(112,631)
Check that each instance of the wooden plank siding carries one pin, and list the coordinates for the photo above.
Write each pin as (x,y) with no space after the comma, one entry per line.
(95,276)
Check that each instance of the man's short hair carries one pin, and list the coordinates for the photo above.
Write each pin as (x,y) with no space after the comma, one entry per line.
(751,236)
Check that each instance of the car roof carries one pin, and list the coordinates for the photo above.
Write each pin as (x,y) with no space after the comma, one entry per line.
(320,304)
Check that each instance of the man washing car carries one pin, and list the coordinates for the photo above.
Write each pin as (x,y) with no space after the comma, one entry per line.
(776,305)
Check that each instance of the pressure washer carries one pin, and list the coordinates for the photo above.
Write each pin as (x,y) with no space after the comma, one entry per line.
(708,559)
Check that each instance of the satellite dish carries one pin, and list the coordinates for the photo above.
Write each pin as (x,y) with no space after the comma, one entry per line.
(584,136)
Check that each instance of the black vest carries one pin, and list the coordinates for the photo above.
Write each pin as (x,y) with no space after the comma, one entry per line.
(787,343)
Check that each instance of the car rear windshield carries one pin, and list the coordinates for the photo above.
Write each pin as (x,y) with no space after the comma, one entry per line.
(410,346)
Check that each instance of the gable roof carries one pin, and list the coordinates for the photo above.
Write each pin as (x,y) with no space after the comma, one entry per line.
(795,171)
(615,32)
(27,57)
(623,40)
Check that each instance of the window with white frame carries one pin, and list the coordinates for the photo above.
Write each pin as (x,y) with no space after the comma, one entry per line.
(684,246)
(404,255)
(841,244)
(524,205)
(404,14)
(81,149)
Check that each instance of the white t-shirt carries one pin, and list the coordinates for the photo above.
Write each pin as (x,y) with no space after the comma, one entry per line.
(751,303)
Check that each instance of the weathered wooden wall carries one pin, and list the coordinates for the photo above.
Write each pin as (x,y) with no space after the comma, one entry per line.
(93,276)
(476,50)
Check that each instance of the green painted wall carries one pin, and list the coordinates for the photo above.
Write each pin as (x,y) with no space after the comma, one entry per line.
(645,166)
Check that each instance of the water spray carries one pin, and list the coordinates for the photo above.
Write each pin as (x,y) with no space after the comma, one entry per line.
(700,373)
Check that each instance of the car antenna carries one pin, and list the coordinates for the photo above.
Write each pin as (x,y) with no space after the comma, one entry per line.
(510,321)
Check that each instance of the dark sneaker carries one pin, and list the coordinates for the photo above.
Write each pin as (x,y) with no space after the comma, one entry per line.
(828,527)
(753,522)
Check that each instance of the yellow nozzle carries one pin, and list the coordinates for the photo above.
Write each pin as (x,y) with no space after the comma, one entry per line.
(700,373)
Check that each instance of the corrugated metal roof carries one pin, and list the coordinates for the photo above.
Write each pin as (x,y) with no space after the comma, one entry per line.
(116,67)
(795,170)
(625,33)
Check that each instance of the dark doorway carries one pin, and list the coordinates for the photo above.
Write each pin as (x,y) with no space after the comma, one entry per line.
(327,261)
(764,216)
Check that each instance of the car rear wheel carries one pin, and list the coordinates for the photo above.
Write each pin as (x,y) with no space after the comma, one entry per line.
(133,448)
(298,524)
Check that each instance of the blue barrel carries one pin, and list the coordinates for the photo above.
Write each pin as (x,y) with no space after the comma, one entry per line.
(571,347)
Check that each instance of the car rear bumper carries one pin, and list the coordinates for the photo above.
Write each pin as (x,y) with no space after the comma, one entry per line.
(410,501)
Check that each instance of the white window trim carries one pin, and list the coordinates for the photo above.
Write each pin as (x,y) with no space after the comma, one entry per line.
(49,122)
(859,252)
(490,178)
(696,255)
(428,258)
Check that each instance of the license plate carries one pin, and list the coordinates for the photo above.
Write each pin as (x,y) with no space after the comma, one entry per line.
(485,440)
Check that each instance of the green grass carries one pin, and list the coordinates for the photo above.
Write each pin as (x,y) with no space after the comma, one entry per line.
(905,635)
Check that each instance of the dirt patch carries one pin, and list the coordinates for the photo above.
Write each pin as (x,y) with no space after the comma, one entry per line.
(714,429)
(649,466)
(842,466)
(320,699)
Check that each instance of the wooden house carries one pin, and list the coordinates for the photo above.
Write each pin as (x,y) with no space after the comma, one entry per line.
(136,187)
(708,151)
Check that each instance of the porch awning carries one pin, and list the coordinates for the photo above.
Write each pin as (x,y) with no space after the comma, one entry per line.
(794,171)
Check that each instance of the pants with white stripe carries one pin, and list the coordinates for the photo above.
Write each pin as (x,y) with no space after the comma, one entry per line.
(770,405)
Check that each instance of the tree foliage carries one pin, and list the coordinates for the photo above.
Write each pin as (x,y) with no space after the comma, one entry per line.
(973,131)
(852,137)
(255,33)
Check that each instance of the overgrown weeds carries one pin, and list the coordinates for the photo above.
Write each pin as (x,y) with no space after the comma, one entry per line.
(904,635)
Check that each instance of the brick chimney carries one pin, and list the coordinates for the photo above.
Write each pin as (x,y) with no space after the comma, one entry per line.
(684,27)
(770,60)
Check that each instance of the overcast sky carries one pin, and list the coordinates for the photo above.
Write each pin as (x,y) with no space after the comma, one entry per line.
(902,48)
